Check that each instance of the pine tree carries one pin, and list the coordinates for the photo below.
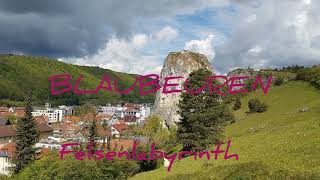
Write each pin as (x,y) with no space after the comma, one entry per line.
(27,136)
(93,134)
(203,115)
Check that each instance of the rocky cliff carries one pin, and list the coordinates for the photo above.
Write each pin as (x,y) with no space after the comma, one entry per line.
(180,63)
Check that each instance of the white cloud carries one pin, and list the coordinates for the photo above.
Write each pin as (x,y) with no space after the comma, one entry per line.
(307,2)
(255,50)
(204,46)
(166,34)
(272,34)
(251,18)
(140,40)
(122,55)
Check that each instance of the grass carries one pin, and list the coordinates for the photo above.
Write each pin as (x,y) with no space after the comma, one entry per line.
(281,143)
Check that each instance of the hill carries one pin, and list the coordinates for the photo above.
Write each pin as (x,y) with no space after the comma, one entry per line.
(281,143)
(18,73)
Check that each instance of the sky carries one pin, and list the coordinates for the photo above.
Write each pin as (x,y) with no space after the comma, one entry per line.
(135,36)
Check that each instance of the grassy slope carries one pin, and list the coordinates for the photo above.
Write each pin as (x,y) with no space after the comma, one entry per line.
(20,72)
(280,142)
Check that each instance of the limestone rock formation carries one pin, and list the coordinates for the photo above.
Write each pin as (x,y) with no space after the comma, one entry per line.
(180,63)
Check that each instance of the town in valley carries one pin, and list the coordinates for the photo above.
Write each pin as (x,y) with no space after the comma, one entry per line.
(63,124)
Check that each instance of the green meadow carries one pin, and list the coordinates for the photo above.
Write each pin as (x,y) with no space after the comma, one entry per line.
(281,143)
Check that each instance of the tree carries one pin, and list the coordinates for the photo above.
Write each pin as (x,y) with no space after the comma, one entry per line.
(153,129)
(203,116)
(12,119)
(146,165)
(278,81)
(84,110)
(237,104)
(27,136)
(152,125)
(51,167)
(255,105)
(93,134)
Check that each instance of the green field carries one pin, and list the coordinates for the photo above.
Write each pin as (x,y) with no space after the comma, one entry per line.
(281,143)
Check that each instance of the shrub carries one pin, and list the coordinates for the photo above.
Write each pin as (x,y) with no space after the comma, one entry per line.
(278,81)
(237,104)
(51,167)
(256,106)
(312,75)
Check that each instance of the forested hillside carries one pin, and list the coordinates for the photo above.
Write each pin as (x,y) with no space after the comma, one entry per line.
(18,73)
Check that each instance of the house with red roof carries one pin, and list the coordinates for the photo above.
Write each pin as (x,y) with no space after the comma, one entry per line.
(118,129)
(8,133)
(7,153)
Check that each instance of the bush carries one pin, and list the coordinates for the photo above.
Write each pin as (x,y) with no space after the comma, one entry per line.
(312,75)
(256,106)
(237,104)
(278,81)
(51,167)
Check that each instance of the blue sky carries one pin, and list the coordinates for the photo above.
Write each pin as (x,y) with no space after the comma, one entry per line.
(135,36)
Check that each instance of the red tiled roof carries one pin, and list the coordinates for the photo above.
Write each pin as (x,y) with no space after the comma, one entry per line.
(102,132)
(121,121)
(7,131)
(41,119)
(67,129)
(10,130)
(104,116)
(120,127)
(130,118)
(8,149)
(43,127)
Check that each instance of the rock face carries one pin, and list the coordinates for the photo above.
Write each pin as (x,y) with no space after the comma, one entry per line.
(180,63)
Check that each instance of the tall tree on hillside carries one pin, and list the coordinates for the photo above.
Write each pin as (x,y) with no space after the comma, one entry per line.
(27,136)
(203,115)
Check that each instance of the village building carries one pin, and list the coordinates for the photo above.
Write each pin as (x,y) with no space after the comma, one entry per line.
(114,120)
(6,157)
(8,133)
(67,110)
(131,120)
(13,111)
(117,130)
(54,115)
(109,109)
(3,121)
